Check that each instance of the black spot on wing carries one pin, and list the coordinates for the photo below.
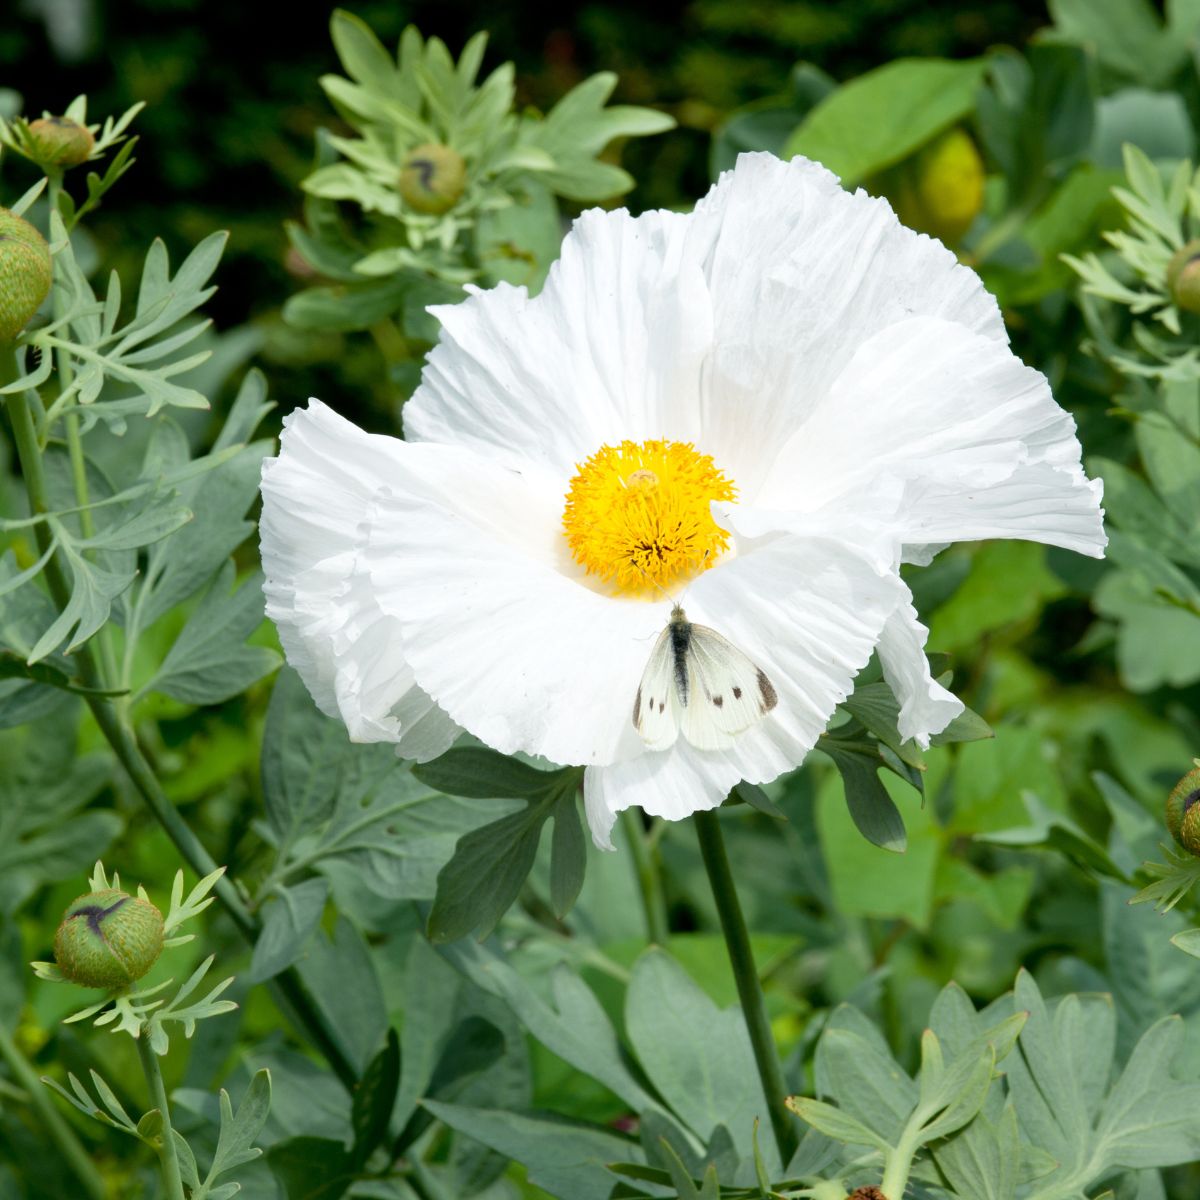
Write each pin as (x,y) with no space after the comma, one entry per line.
(767,696)
(718,701)
(737,693)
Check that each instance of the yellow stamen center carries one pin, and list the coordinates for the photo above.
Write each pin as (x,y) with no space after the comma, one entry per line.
(638,514)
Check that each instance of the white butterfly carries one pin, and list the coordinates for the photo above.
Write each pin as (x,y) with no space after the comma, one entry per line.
(701,683)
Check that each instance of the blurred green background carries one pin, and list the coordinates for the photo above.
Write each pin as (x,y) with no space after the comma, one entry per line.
(233,101)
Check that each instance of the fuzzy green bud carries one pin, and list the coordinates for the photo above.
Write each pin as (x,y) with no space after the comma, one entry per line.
(108,939)
(59,142)
(25,273)
(1183,277)
(433,178)
(939,190)
(1183,811)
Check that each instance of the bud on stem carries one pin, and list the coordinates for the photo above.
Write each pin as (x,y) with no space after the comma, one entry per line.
(108,939)
(433,178)
(25,273)
(59,142)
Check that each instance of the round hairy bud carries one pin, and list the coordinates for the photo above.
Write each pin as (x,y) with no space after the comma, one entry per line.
(60,141)
(108,939)
(1183,277)
(1183,811)
(866,1193)
(939,190)
(433,178)
(25,273)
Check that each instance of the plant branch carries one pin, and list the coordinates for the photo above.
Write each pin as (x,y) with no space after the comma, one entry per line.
(741,958)
(288,988)
(168,1153)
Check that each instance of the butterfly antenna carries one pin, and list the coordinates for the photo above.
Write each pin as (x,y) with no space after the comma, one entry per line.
(657,586)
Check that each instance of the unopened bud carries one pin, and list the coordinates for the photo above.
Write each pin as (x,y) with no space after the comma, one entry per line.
(59,142)
(1183,811)
(433,178)
(939,190)
(25,273)
(108,939)
(1183,277)
(866,1193)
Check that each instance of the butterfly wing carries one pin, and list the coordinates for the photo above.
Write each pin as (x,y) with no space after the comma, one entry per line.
(656,707)
(727,692)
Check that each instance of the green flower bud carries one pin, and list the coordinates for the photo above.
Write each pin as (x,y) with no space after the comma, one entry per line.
(939,190)
(59,142)
(25,273)
(433,178)
(1183,277)
(108,939)
(1183,811)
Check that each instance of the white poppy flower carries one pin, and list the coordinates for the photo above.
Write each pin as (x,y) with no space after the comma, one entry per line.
(759,408)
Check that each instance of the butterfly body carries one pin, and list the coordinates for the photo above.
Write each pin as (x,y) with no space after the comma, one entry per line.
(700,684)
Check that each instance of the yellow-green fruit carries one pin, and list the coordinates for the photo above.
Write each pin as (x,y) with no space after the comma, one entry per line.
(60,141)
(25,273)
(940,189)
(1183,277)
(433,178)
(108,939)
(1183,811)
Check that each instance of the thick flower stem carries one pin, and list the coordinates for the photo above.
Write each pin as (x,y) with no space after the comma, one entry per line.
(741,958)
(51,1120)
(649,878)
(288,987)
(169,1153)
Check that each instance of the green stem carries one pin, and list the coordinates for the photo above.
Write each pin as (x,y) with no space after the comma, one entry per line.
(288,988)
(745,974)
(169,1153)
(51,1119)
(899,1166)
(66,376)
(649,879)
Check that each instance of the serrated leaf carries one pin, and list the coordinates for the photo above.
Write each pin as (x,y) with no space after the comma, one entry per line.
(238,1133)
(288,922)
(209,661)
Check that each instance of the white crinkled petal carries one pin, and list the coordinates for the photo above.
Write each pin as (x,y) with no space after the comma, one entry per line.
(801,273)
(926,707)
(498,623)
(349,654)
(972,434)
(808,611)
(612,348)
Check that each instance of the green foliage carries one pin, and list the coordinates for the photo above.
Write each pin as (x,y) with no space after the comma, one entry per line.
(883,116)
(539,1047)
(500,221)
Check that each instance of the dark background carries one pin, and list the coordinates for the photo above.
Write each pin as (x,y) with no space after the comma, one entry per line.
(233,100)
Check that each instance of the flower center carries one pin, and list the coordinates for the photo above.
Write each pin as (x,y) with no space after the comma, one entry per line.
(638,514)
